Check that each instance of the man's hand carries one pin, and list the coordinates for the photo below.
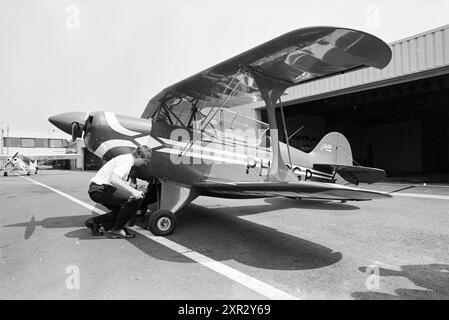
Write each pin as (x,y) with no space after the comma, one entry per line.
(137,194)
(133,182)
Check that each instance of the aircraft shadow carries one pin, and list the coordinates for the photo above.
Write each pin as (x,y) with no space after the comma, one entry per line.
(432,278)
(220,234)
(54,222)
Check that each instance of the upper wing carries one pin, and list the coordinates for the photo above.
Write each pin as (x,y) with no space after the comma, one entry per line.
(308,190)
(295,57)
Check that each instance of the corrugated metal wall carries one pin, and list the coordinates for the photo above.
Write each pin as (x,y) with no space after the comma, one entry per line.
(411,56)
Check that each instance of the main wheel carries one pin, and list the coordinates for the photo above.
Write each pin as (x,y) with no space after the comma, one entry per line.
(28,173)
(5,174)
(162,222)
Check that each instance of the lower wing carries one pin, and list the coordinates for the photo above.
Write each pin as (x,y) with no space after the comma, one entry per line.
(306,190)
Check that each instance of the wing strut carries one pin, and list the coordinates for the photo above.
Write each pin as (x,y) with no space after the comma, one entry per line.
(189,145)
(285,134)
(271,90)
(224,102)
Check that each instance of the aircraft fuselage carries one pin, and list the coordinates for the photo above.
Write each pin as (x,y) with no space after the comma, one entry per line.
(186,156)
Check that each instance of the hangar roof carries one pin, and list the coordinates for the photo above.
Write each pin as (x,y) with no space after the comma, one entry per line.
(415,57)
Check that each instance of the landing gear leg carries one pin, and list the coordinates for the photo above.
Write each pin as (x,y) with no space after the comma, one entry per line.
(161,222)
(170,199)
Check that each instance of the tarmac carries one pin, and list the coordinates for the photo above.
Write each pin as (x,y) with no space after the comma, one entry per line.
(271,248)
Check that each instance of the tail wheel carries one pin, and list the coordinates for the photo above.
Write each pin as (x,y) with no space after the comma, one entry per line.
(162,222)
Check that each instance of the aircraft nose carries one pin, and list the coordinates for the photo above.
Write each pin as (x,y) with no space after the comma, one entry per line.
(64,121)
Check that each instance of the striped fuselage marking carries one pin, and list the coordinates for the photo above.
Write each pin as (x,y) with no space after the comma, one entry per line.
(219,155)
(228,150)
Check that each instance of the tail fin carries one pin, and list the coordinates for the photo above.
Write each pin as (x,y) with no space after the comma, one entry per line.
(33,165)
(334,148)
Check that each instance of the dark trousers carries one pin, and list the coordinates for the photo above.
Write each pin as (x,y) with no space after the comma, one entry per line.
(121,209)
(151,195)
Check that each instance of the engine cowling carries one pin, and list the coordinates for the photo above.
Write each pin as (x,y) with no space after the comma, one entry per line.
(105,133)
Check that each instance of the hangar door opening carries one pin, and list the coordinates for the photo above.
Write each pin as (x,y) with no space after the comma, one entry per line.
(91,161)
(402,128)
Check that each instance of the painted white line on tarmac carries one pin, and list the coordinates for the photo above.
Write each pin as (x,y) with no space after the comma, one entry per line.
(233,274)
(412,195)
(420,195)
(415,185)
(81,203)
(251,283)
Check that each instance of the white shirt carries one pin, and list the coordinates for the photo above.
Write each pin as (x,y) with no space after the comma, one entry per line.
(120,165)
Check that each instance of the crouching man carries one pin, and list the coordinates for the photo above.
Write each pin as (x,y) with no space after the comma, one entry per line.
(109,188)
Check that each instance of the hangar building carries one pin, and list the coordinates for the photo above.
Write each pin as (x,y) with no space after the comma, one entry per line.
(29,145)
(396,118)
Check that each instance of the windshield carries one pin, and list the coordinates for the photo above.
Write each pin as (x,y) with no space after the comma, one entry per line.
(177,108)
(212,122)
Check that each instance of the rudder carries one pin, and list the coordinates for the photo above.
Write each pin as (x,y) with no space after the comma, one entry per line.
(334,148)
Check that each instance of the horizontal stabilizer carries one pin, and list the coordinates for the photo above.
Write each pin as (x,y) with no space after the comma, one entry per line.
(353,174)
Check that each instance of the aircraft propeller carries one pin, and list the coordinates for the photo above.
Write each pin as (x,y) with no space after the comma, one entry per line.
(12,159)
(73,123)
(77,130)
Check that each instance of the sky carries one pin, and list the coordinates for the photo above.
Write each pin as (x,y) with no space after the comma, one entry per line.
(85,55)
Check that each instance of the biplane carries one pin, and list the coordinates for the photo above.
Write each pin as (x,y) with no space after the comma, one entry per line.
(203,147)
(19,164)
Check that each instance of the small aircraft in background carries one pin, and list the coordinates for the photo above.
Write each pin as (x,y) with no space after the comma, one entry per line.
(19,164)
(199,149)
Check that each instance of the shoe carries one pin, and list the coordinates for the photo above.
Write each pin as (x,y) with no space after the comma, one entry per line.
(120,234)
(93,226)
(101,230)
(129,233)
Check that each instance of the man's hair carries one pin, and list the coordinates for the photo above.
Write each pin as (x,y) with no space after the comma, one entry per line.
(143,152)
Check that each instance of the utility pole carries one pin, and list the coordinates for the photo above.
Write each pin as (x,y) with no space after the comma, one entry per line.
(1,137)
(1,144)
(7,135)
